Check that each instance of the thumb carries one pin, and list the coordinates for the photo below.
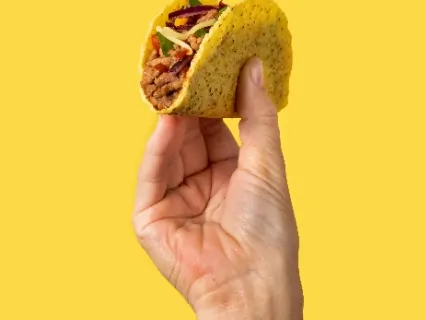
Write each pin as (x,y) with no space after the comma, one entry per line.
(260,152)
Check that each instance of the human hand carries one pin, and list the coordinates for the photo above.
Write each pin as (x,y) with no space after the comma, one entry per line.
(216,219)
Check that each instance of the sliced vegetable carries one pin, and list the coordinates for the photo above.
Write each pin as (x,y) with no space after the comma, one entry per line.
(221,5)
(222,10)
(200,26)
(191,11)
(166,44)
(155,42)
(182,28)
(181,21)
(180,55)
(162,68)
(200,33)
(168,34)
(194,3)
(179,66)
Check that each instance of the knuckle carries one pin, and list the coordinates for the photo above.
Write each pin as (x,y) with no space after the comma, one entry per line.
(141,226)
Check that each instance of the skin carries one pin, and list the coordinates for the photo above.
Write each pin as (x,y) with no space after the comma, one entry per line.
(217,219)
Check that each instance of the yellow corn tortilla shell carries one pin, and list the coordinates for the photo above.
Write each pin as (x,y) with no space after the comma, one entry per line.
(246,29)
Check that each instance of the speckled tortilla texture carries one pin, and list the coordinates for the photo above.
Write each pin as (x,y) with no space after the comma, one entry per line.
(247,29)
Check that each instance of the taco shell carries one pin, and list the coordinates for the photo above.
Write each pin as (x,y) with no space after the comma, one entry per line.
(246,29)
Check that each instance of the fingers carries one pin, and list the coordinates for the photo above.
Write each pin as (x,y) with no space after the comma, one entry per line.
(220,142)
(206,141)
(163,146)
(261,146)
(193,153)
(187,202)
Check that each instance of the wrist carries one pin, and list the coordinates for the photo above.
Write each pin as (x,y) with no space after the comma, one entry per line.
(252,304)
(234,301)
(236,311)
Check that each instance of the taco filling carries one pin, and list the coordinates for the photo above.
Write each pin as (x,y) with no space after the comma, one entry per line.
(174,46)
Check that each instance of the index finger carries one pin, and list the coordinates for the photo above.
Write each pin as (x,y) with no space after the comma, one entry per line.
(162,147)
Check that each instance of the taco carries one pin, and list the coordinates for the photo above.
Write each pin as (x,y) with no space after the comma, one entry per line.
(194,52)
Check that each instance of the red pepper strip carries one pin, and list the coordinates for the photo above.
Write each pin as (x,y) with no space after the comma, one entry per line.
(181,54)
(162,68)
(155,42)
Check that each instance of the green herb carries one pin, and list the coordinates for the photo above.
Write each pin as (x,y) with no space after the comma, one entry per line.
(200,33)
(166,44)
(222,11)
(194,3)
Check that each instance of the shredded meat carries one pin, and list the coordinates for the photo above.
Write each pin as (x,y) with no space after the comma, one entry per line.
(165,78)
(165,61)
(161,86)
(150,89)
(163,75)
(164,103)
(167,101)
(210,15)
(199,41)
(193,42)
(154,54)
(178,53)
(149,75)
(168,88)
(154,102)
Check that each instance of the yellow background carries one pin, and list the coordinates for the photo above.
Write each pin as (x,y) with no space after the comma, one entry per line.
(73,128)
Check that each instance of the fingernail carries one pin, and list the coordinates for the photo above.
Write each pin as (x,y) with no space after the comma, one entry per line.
(257,73)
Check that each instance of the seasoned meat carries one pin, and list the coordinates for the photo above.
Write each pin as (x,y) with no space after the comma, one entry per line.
(209,16)
(149,75)
(165,78)
(166,101)
(192,40)
(164,75)
(150,89)
(154,102)
(165,61)
(154,55)
(178,54)
(168,88)
(199,41)
(195,42)
(175,95)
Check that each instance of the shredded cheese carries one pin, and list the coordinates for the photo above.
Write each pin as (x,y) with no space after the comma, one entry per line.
(172,38)
(200,26)
(179,38)
(194,29)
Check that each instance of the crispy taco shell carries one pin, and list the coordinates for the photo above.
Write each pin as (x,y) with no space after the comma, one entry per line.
(248,28)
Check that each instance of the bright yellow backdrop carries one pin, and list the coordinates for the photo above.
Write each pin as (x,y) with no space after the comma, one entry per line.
(73,128)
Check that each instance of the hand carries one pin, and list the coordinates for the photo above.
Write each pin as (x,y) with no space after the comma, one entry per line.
(216,219)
